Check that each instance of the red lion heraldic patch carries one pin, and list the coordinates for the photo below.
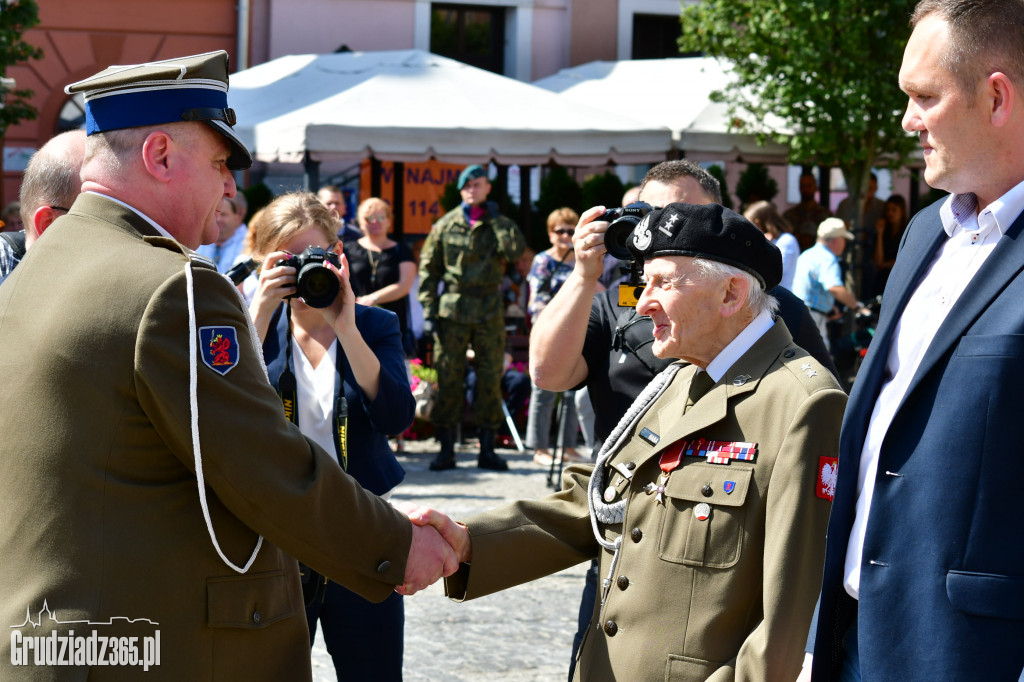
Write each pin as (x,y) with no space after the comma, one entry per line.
(828,470)
(218,347)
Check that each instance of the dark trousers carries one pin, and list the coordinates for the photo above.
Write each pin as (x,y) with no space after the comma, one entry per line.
(364,639)
(587,603)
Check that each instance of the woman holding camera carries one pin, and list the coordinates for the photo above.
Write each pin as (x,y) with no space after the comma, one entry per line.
(343,369)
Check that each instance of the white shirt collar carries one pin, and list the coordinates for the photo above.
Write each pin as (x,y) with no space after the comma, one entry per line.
(137,212)
(1000,213)
(757,328)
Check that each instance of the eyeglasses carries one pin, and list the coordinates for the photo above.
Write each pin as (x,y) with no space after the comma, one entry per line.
(563,232)
(376,218)
(59,208)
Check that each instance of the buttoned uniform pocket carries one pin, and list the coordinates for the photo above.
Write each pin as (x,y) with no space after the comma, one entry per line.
(456,244)
(250,601)
(717,541)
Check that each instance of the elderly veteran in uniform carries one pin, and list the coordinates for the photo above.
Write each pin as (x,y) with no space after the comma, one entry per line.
(706,503)
(150,477)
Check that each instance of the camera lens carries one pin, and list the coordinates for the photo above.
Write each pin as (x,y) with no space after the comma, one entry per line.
(621,228)
(317,286)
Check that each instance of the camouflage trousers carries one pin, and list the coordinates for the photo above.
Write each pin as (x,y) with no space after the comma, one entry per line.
(451,339)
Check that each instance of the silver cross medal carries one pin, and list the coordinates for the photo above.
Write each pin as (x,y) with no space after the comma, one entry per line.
(659,488)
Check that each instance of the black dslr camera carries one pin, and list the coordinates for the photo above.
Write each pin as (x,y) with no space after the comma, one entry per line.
(315,284)
(623,221)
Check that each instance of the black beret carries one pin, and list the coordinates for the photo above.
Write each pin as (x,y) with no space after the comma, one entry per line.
(712,232)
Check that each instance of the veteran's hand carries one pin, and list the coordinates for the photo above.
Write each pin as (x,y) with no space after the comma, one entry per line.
(588,243)
(430,558)
(455,534)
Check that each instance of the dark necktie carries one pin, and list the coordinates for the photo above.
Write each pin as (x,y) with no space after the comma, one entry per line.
(700,384)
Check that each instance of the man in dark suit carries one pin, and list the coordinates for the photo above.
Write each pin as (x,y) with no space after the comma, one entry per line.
(924,571)
(150,478)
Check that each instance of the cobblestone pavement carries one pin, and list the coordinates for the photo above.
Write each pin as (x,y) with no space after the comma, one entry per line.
(518,635)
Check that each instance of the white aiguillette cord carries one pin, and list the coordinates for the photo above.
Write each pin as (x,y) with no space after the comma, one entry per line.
(193,384)
(600,511)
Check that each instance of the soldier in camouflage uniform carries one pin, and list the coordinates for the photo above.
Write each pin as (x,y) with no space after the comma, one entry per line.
(467,250)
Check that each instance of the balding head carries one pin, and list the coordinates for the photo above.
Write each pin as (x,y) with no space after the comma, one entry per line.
(51,182)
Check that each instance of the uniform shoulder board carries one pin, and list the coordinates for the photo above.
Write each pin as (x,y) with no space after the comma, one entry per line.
(809,371)
(201,261)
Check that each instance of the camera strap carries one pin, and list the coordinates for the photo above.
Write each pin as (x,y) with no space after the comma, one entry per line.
(626,319)
(287,390)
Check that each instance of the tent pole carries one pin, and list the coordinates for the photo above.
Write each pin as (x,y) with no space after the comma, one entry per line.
(524,198)
(398,200)
(311,179)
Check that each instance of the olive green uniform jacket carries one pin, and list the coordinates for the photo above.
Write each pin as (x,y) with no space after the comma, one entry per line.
(470,260)
(100,514)
(729,597)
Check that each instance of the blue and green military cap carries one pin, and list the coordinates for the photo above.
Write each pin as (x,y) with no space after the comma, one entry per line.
(193,88)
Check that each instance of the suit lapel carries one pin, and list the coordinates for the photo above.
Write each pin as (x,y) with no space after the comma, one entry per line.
(1004,263)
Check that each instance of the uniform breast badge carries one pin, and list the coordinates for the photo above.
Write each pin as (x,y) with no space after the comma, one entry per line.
(720,451)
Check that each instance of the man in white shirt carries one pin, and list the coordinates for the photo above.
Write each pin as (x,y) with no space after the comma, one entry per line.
(231,231)
(924,569)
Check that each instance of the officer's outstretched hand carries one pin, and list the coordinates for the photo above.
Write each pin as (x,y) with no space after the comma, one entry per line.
(588,243)
(430,559)
(455,534)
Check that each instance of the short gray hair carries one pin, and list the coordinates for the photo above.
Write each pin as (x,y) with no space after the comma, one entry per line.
(758,300)
(52,177)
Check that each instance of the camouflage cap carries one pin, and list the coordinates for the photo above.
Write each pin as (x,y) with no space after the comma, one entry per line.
(470,173)
(193,88)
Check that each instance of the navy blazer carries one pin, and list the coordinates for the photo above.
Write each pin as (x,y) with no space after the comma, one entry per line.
(942,574)
(370,459)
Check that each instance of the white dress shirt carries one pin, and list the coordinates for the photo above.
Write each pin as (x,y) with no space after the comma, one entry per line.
(972,238)
(315,395)
(757,328)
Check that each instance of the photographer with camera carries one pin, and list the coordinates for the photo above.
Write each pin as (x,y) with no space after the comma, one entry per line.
(587,338)
(339,368)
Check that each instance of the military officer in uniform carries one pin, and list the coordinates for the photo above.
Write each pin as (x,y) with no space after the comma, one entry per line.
(150,477)
(709,500)
(466,251)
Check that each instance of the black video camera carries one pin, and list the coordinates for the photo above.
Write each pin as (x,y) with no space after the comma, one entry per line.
(315,284)
(623,221)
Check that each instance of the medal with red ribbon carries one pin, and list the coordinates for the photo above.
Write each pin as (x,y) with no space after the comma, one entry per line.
(669,462)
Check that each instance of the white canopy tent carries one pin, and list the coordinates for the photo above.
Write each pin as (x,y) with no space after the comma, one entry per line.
(675,93)
(411,105)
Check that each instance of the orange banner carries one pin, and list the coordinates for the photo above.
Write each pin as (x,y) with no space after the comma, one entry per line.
(423,187)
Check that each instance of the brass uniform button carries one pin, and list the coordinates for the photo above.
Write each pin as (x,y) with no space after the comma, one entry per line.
(610,628)
(383,566)
(636,534)
(622,582)
(256,617)
(707,491)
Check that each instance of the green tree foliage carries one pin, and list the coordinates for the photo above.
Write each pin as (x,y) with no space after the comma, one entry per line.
(827,69)
(755,184)
(16,17)
(719,174)
(557,189)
